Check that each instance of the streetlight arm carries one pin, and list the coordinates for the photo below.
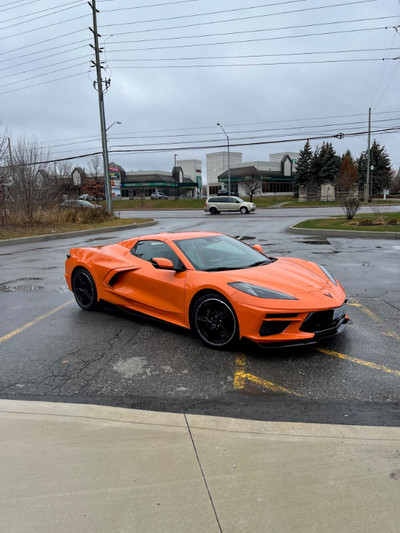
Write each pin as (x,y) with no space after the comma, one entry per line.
(116,122)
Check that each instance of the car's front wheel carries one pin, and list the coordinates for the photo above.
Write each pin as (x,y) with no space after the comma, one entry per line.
(84,289)
(244,210)
(215,321)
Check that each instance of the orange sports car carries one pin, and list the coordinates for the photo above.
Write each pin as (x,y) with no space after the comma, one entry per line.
(216,285)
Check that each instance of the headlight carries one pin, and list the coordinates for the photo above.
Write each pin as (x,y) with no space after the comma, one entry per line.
(328,274)
(260,292)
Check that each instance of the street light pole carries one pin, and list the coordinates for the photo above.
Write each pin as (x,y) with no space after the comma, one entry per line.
(366,193)
(229,162)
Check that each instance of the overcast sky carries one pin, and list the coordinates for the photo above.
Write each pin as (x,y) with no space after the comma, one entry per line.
(268,71)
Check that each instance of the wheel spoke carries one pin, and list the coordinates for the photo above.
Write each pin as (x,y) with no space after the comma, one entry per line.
(215,322)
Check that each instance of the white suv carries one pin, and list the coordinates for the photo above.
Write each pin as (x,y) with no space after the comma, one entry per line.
(216,204)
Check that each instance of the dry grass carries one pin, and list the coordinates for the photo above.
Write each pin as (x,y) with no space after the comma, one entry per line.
(51,221)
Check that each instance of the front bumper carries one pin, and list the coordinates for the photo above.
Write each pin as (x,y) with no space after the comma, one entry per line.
(291,328)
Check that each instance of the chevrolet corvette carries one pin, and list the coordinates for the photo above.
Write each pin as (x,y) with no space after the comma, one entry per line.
(216,285)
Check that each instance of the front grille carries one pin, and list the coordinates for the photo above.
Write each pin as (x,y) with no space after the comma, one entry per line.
(320,321)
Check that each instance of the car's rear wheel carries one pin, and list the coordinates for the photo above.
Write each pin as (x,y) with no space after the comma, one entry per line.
(215,321)
(213,211)
(244,210)
(84,289)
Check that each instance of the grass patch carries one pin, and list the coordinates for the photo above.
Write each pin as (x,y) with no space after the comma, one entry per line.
(47,222)
(386,222)
(189,203)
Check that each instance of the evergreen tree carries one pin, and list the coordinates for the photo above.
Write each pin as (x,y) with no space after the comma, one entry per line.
(303,172)
(380,173)
(329,164)
(315,166)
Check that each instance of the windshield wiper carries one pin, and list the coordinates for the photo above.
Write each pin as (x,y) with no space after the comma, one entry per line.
(219,269)
(259,263)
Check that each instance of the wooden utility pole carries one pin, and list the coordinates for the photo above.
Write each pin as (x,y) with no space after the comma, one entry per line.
(100,91)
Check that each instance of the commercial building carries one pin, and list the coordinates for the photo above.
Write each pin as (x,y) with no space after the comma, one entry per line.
(274,176)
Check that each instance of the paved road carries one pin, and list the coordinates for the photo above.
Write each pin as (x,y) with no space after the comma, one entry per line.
(50,350)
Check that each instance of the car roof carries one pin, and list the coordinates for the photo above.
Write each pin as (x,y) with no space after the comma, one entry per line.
(221,196)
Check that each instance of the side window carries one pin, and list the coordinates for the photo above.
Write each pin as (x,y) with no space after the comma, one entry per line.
(146,250)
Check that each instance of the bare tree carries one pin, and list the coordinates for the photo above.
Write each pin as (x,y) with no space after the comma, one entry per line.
(95,187)
(251,188)
(30,180)
(5,199)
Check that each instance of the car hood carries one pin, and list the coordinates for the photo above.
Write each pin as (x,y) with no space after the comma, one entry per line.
(283,275)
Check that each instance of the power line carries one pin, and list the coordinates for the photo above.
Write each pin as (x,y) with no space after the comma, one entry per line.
(10,5)
(53,12)
(43,28)
(149,5)
(219,145)
(294,11)
(321,62)
(45,41)
(41,83)
(45,66)
(246,56)
(246,124)
(274,28)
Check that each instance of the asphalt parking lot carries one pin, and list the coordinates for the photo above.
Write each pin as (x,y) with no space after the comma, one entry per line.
(50,350)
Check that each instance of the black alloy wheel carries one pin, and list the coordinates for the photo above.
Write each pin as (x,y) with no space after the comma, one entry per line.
(84,289)
(215,321)
(213,211)
(243,210)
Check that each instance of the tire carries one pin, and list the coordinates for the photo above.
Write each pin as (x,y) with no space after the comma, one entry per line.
(84,289)
(213,210)
(244,210)
(215,322)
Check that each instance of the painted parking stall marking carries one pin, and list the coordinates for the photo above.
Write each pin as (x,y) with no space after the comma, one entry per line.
(35,321)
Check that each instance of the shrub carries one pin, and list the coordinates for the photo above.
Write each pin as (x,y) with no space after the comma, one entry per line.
(350,206)
(393,222)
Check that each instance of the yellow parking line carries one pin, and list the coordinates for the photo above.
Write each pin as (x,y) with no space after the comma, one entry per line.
(269,385)
(373,317)
(359,361)
(241,375)
(38,319)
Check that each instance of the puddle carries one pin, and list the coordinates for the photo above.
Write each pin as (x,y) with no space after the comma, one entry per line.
(317,242)
(99,239)
(244,238)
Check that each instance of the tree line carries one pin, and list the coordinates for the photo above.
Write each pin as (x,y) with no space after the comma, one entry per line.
(28,186)
(324,165)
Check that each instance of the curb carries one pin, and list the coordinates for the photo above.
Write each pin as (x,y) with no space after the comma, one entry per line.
(345,234)
(54,236)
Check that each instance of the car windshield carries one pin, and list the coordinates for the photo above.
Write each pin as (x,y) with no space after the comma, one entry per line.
(220,252)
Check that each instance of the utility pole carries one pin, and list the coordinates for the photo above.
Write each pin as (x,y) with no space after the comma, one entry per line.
(366,190)
(107,186)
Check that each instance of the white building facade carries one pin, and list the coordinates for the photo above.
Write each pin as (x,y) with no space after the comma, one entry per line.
(275,175)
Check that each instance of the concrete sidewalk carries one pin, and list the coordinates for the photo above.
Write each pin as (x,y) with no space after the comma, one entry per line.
(85,468)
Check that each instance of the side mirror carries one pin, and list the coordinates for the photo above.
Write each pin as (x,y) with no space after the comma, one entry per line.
(258,247)
(162,262)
